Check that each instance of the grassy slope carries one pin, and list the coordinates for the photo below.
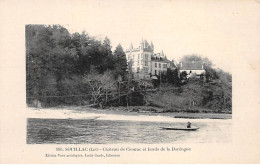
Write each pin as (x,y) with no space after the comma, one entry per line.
(194,97)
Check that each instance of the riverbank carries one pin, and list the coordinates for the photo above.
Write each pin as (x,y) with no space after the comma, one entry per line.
(78,125)
(189,114)
(121,113)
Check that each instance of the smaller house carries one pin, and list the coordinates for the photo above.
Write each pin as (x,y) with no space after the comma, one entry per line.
(192,68)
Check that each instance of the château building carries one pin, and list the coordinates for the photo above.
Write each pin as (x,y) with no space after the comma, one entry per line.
(194,67)
(145,63)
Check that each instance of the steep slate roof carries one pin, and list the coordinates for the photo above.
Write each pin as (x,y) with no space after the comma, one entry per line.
(191,65)
(157,57)
(146,44)
(172,65)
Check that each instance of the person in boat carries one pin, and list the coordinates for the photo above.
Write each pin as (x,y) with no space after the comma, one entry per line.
(188,125)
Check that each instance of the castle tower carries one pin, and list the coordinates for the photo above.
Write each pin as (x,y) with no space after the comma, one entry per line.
(152,47)
(141,58)
(146,44)
(162,54)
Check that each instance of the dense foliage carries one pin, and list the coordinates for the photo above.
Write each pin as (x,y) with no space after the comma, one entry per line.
(214,92)
(77,69)
(57,63)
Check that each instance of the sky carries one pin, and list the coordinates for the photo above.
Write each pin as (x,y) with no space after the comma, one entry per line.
(218,30)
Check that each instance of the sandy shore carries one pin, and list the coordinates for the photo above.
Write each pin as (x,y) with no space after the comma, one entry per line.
(90,113)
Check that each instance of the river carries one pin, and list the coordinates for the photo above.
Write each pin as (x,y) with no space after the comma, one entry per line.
(108,131)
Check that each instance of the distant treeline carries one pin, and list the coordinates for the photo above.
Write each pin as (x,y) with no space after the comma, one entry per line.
(78,69)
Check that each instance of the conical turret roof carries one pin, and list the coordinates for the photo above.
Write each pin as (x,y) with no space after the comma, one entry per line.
(131,46)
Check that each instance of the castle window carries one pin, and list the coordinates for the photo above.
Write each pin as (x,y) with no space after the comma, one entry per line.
(146,60)
(138,56)
(159,65)
(164,65)
(155,64)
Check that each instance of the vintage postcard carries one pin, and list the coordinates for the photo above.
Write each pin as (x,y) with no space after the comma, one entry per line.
(130,81)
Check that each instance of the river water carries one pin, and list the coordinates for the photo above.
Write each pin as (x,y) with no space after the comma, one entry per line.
(98,131)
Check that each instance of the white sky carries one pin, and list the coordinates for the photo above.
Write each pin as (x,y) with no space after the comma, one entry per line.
(219,30)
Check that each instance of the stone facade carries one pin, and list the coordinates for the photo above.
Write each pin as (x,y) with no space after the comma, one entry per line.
(159,64)
(145,62)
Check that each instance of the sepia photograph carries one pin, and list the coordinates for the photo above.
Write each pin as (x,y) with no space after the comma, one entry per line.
(81,89)
(142,81)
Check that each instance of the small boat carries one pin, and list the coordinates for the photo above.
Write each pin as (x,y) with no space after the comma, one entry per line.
(180,128)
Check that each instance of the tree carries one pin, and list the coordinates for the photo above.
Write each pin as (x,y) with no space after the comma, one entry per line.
(39,44)
(207,63)
(211,74)
(93,79)
(197,58)
(108,83)
(183,75)
(101,85)
(192,92)
(54,56)
(190,58)
(172,76)
(224,77)
(121,63)
(107,43)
